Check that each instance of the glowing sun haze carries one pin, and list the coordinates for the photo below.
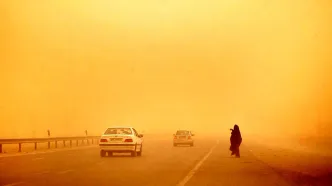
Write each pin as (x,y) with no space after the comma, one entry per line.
(161,65)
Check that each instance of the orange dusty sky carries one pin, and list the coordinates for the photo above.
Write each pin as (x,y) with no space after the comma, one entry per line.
(161,65)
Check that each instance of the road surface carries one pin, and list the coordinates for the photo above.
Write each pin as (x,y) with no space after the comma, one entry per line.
(208,163)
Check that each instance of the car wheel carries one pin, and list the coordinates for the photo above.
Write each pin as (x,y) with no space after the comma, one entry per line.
(140,152)
(174,144)
(102,153)
(134,154)
(192,144)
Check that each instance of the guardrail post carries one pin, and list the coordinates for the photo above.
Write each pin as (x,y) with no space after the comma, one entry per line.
(88,140)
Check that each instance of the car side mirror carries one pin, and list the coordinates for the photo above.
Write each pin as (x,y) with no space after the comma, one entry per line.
(140,135)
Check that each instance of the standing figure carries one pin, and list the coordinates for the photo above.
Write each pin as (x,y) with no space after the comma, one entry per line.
(236,141)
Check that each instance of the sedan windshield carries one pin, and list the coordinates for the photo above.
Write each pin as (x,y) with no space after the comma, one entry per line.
(118,131)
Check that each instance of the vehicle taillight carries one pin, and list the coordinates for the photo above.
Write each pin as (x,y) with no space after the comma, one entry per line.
(189,137)
(103,140)
(174,137)
(128,140)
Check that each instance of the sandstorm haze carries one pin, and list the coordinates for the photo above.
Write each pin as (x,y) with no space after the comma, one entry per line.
(158,65)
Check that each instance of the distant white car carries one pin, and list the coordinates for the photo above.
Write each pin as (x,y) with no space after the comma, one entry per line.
(183,137)
(121,140)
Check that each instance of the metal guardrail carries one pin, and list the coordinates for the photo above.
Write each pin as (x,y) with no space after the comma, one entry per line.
(20,141)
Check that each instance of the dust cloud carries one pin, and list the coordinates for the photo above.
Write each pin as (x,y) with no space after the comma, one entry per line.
(71,66)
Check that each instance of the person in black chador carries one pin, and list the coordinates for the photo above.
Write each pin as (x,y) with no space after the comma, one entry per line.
(236,141)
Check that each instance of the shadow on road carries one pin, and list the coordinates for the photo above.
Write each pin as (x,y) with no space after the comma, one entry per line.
(120,155)
(183,146)
(302,179)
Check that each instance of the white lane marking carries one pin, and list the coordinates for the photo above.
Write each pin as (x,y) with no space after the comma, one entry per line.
(37,159)
(198,165)
(64,172)
(45,172)
(12,184)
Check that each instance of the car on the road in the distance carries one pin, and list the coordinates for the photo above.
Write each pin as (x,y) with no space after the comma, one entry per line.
(183,137)
(121,140)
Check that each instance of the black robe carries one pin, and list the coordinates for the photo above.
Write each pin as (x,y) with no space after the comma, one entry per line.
(236,140)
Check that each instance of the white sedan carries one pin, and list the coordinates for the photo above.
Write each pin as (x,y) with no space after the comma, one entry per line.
(121,140)
(183,137)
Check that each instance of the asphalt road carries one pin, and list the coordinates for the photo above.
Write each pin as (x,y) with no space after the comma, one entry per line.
(207,163)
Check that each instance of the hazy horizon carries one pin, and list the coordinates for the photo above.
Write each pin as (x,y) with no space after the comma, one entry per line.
(165,65)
